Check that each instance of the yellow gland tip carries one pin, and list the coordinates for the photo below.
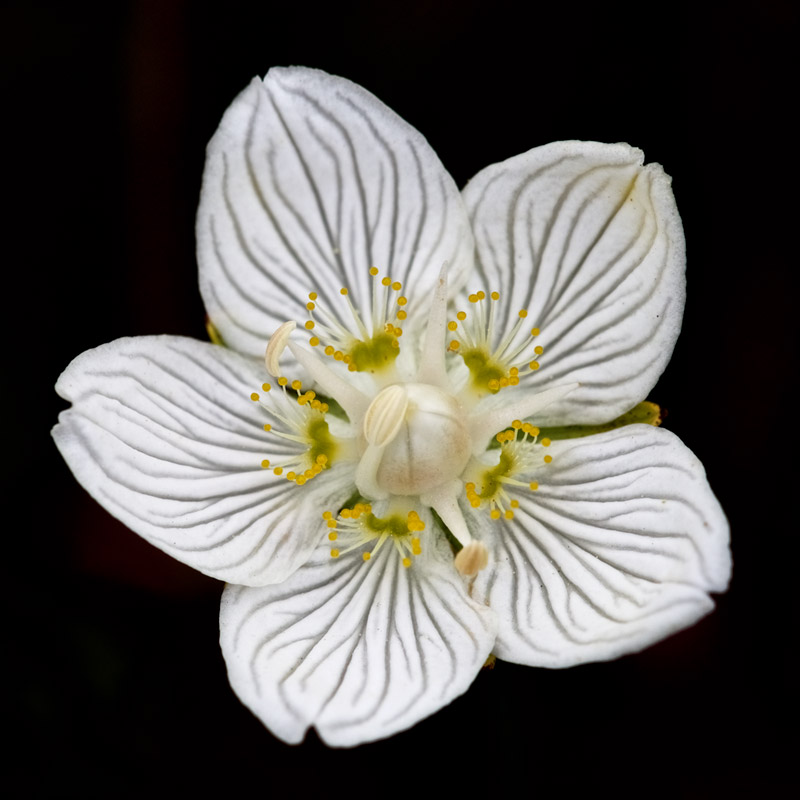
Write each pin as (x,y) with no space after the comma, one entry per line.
(254,396)
(406,562)
(334,553)
(367,556)
(548,459)
(535,331)
(333,536)
(312,295)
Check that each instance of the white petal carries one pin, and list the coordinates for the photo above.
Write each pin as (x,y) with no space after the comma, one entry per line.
(359,650)
(590,243)
(310,181)
(164,435)
(616,550)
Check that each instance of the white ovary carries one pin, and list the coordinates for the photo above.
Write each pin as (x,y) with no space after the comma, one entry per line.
(430,445)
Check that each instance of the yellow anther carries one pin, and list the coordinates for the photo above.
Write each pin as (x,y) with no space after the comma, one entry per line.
(533,485)
(283,381)
(343,292)
(367,556)
(546,442)
(538,350)
(495,514)
(515,504)
(454,345)
(332,523)
(406,562)
(386,281)
(401,315)
(397,286)
(495,295)
(310,325)
(267,427)
(313,341)
(327,515)
(473,298)
(401,301)
(300,480)
(451,326)
(509,514)
(254,396)
(548,459)
(334,553)
(516,424)
(535,331)
(329,350)
(523,314)
(462,315)
(297,385)
(481,295)
(311,306)
(265,463)
(312,295)
(534,365)
(265,387)
(373,271)
(277,471)
(333,536)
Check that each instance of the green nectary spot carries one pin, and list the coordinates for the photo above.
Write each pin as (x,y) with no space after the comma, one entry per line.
(482,368)
(491,478)
(645,413)
(323,443)
(375,354)
(394,525)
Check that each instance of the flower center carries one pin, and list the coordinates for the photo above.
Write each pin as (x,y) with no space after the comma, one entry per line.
(417,439)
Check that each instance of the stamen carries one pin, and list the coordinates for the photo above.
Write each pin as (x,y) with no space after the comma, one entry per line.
(358,527)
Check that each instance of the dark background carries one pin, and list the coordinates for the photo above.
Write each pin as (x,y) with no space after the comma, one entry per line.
(118,687)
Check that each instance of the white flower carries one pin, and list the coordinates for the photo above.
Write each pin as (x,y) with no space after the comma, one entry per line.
(421,365)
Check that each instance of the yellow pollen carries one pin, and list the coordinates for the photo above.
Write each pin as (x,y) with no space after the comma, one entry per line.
(454,345)
(481,295)
(332,523)
(495,514)
(329,350)
(254,396)
(401,315)
(313,341)
(515,504)
(473,298)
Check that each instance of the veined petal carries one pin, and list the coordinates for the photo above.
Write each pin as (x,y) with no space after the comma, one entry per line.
(590,243)
(359,650)
(310,181)
(617,549)
(163,434)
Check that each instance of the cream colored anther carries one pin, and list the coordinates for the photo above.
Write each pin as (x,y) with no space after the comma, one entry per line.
(275,347)
(385,415)
(472,558)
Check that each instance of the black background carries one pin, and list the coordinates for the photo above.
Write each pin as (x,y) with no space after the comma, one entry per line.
(117,685)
